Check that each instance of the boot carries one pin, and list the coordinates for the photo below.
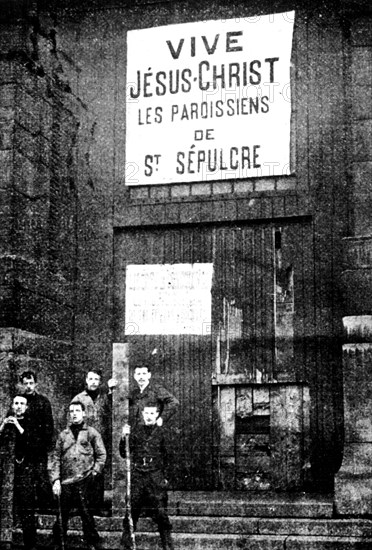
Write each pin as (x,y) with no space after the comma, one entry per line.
(166,540)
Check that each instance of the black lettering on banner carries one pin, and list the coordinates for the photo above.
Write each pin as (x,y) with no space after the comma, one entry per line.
(175,53)
(151,164)
(210,47)
(199,135)
(230,41)
(217,160)
(181,168)
(244,106)
(150,115)
(210,77)
(271,61)
(257,80)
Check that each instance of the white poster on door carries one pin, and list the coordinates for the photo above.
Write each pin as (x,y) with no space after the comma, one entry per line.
(168,298)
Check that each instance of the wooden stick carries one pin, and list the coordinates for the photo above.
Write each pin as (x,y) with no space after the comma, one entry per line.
(60,524)
(120,355)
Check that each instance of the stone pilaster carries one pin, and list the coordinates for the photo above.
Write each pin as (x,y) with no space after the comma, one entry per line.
(353,483)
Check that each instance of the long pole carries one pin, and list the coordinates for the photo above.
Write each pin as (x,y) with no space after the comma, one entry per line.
(60,524)
(121,417)
(128,508)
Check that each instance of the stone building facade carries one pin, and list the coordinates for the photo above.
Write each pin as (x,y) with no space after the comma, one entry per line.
(70,226)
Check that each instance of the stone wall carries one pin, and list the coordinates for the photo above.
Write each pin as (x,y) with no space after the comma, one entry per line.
(55,251)
(55,219)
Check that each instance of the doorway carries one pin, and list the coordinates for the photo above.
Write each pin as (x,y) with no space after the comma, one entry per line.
(221,314)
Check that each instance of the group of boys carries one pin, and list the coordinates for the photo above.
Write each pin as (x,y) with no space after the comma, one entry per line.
(75,464)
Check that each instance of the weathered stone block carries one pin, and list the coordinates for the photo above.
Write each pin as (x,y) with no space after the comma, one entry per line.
(201,189)
(160,192)
(6,160)
(30,178)
(7,93)
(361,32)
(358,252)
(138,193)
(265,184)
(361,107)
(30,225)
(6,220)
(356,288)
(362,145)
(26,143)
(28,110)
(361,66)
(243,186)
(353,494)
(222,187)
(6,127)
(12,36)
(285,184)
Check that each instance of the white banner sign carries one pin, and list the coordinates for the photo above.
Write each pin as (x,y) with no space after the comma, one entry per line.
(168,299)
(209,100)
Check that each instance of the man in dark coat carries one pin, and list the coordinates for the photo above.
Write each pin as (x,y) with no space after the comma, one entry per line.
(98,414)
(18,457)
(39,413)
(148,474)
(149,392)
(77,461)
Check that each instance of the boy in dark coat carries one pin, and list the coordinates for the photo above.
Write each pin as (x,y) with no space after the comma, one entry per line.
(148,481)
(79,457)
(18,456)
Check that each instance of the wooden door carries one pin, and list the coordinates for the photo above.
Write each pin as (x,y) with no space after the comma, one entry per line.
(248,346)
(182,362)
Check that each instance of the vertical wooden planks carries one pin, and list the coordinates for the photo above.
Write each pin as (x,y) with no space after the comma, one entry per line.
(226,407)
(286,436)
(249,317)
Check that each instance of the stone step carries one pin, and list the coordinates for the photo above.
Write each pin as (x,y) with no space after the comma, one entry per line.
(233,521)
(250,504)
(189,541)
(237,525)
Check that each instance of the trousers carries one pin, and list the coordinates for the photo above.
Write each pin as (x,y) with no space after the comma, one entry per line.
(77,495)
(149,494)
(25,477)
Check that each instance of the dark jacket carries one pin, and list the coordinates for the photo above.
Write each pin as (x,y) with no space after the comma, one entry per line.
(39,414)
(16,445)
(147,447)
(168,404)
(75,459)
